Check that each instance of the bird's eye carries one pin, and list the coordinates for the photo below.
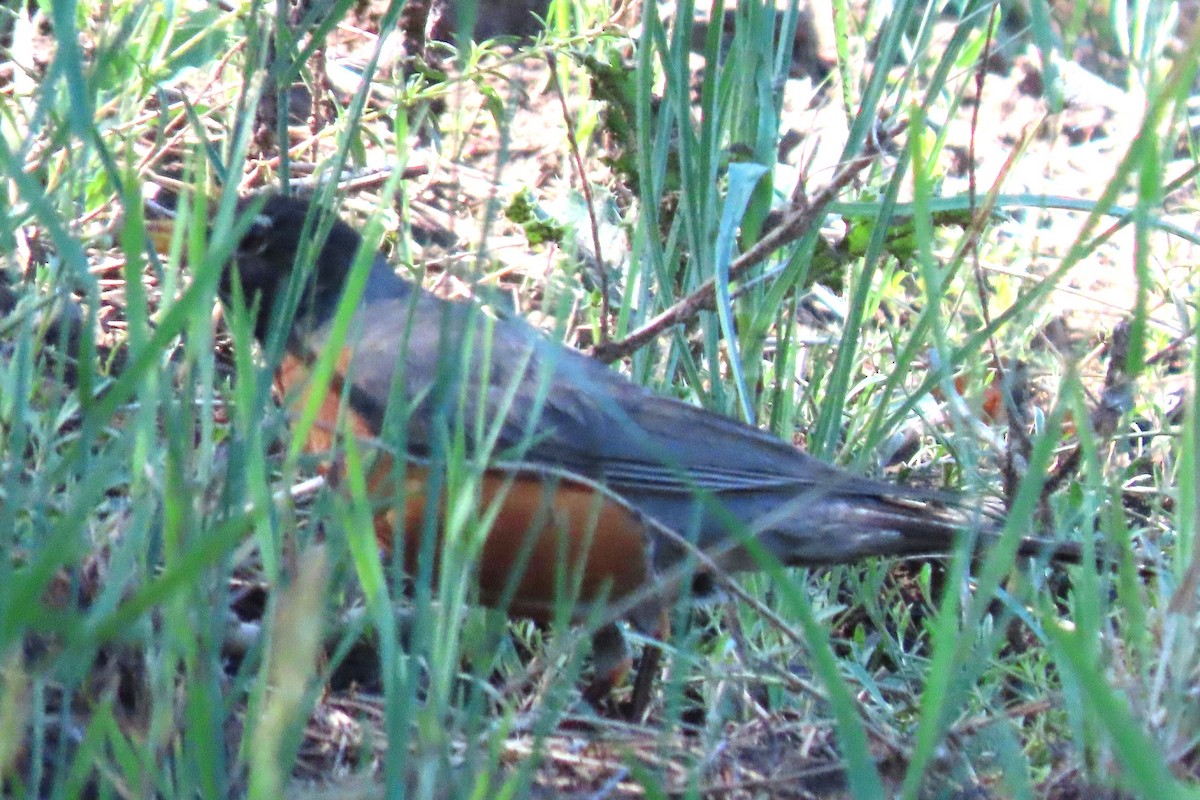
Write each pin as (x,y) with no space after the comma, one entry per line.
(257,237)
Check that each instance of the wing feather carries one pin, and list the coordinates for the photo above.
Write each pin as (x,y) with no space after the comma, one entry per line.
(556,407)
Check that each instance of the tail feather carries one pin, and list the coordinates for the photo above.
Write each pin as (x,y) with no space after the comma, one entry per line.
(844,528)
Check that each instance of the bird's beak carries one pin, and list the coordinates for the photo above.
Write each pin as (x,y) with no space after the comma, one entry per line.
(160,232)
(162,222)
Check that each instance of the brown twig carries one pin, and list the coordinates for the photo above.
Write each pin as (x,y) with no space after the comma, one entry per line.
(972,240)
(796,221)
(1017,397)
(1124,220)
(1171,351)
(1019,439)
(605,311)
(1115,399)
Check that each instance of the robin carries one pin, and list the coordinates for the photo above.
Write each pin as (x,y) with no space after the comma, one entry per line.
(589,473)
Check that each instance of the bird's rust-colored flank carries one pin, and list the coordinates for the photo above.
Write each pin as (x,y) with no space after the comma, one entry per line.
(542,520)
(587,470)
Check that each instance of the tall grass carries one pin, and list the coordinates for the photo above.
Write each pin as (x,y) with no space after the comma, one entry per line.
(144,496)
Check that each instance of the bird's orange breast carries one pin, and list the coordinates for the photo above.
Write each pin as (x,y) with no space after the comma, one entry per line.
(552,537)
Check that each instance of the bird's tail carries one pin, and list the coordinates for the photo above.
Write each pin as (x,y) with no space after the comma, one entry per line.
(834,529)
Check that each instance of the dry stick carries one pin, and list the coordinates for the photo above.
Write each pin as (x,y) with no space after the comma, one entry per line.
(979,217)
(1032,708)
(1124,221)
(1014,388)
(1115,399)
(1170,351)
(981,283)
(796,222)
(584,184)
(360,181)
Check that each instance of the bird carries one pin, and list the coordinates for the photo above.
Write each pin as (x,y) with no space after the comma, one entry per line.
(588,470)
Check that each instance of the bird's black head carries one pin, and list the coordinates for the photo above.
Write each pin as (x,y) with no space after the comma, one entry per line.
(267,254)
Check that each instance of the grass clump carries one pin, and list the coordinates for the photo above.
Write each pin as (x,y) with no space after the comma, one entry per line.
(952,279)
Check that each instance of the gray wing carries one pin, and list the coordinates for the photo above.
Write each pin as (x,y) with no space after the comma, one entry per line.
(528,400)
(555,406)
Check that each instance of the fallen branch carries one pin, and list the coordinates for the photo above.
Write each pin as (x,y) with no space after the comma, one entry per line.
(796,221)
